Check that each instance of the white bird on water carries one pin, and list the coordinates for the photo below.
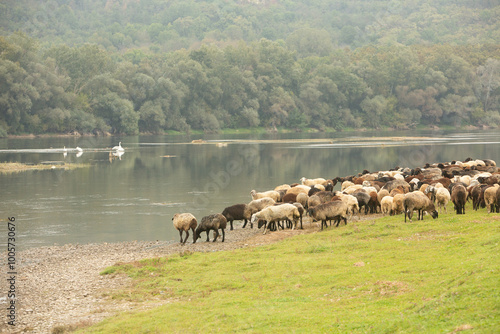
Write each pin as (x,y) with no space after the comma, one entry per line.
(118,148)
(79,152)
(65,151)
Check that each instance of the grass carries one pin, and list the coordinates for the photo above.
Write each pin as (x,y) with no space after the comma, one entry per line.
(14,167)
(379,276)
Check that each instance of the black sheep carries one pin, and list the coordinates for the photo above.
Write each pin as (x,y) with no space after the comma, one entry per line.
(237,212)
(213,222)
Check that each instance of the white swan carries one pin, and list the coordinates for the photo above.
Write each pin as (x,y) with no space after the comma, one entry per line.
(79,152)
(118,148)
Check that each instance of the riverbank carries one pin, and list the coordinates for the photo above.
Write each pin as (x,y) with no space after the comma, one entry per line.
(257,130)
(61,286)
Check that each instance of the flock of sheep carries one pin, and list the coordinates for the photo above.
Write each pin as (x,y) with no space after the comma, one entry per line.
(396,191)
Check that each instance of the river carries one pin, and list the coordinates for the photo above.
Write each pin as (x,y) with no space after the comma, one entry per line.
(134,197)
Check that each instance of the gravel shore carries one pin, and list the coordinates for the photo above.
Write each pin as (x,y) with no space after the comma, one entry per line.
(61,285)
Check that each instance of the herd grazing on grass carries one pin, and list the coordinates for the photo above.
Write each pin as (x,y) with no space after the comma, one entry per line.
(424,190)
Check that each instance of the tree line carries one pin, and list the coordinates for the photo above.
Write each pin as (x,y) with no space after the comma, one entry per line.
(313,27)
(84,88)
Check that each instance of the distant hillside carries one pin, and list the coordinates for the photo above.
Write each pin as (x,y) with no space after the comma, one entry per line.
(130,66)
(309,27)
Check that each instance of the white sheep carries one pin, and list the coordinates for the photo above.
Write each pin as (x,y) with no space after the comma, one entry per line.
(284,187)
(276,214)
(465,179)
(311,182)
(271,194)
(490,197)
(351,189)
(399,176)
(351,202)
(480,163)
(345,185)
(259,204)
(441,196)
(299,189)
(185,222)
(386,205)
(482,175)
(369,189)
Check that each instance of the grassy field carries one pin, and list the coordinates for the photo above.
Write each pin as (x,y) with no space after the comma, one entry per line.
(375,276)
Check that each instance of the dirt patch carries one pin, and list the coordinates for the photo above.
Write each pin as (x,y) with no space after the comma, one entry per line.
(386,288)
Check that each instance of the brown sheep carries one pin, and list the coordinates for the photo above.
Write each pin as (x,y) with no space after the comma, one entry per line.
(184,222)
(459,197)
(319,198)
(302,199)
(289,198)
(395,184)
(395,191)
(418,201)
(328,211)
(498,200)
(398,204)
(381,194)
(373,204)
(444,181)
(490,198)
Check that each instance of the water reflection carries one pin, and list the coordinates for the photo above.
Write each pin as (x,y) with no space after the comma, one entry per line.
(133,196)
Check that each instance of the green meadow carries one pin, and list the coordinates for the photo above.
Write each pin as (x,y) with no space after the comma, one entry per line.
(373,276)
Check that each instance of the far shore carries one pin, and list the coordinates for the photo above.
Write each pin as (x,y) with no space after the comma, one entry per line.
(257,130)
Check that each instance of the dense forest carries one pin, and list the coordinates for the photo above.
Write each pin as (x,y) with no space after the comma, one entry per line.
(130,66)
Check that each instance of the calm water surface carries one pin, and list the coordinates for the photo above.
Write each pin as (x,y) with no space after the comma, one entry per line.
(135,197)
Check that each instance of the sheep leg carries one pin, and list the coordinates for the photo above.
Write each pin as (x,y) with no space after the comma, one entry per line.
(231,222)
(408,213)
(223,235)
(265,227)
(194,236)
(180,232)
(245,224)
(301,222)
(208,235)
(187,235)
(216,233)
